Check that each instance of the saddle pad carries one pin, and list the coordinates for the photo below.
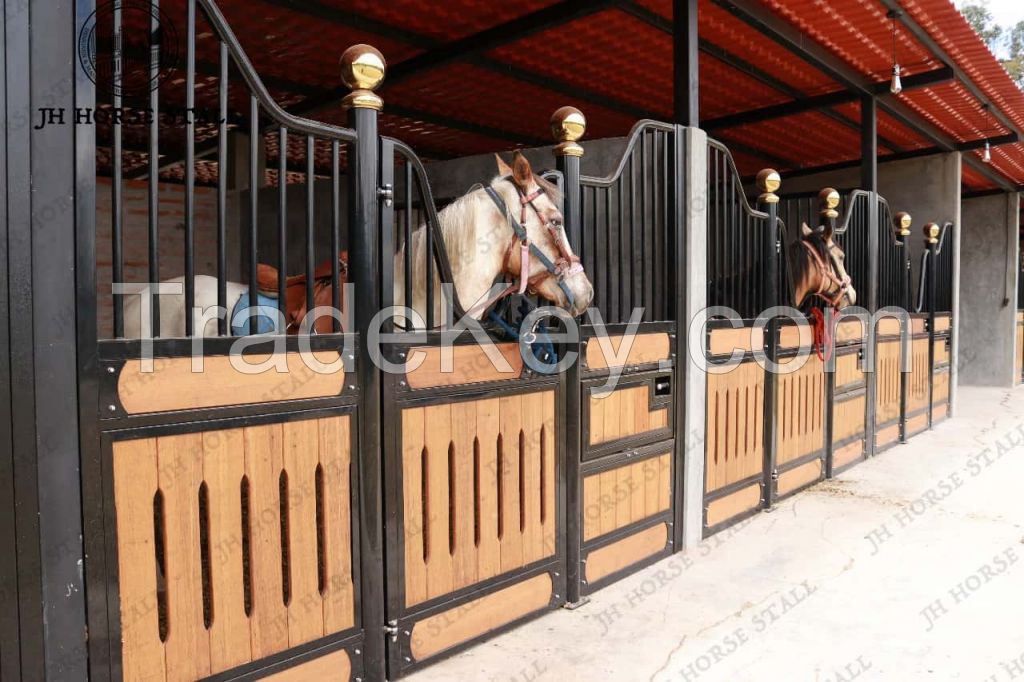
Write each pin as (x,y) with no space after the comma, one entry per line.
(266,313)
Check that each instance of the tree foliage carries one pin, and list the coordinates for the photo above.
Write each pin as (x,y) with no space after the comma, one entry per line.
(1006,42)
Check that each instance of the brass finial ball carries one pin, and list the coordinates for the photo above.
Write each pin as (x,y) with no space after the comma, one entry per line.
(362,67)
(931,233)
(903,222)
(568,124)
(829,198)
(769,181)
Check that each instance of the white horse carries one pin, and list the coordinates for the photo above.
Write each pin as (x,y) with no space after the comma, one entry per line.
(482,247)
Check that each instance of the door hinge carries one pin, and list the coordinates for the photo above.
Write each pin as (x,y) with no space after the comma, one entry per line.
(392,629)
(386,193)
(775,475)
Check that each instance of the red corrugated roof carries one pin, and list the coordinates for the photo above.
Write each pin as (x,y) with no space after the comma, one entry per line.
(617,62)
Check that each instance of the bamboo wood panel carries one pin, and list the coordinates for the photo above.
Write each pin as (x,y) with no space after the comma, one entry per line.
(478,489)
(646,349)
(848,418)
(334,667)
(623,553)
(848,453)
(849,330)
(919,376)
(726,341)
(732,505)
(888,326)
(848,371)
(800,411)
(623,413)
(889,434)
(800,476)
(734,429)
(469,365)
(887,391)
(615,498)
(793,336)
(942,323)
(916,425)
(942,352)
(940,390)
(939,413)
(233,545)
(172,385)
(1018,356)
(467,621)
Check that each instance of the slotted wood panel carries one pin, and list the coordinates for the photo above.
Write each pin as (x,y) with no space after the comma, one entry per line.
(848,371)
(887,391)
(735,425)
(918,378)
(800,411)
(637,491)
(244,574)
(478,487)
(623,413)
(848,417)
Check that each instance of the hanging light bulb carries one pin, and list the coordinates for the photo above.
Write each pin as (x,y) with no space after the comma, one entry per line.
(987,154)
(896,86)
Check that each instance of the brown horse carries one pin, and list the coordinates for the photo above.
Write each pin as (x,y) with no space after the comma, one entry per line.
(817,268)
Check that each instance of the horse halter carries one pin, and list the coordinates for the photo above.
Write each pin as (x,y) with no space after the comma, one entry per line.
(566,265)
(828,272)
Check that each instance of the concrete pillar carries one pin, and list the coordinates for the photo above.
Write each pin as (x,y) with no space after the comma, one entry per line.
(988,257)
(695,381)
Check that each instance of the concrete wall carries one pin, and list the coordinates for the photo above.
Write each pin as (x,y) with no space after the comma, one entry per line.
(988,258)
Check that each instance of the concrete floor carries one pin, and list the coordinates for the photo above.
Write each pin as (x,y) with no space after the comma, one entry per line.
(907,567)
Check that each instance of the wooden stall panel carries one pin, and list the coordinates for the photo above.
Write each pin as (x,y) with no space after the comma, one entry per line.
(732,505)
(333,667)
(173,385)
(800,411)
(616,498)
(1018,356)
(887,391)
(942,350)
(917,380)
(233,545)
(940,390)
(469,365)
(799,477)
(625,413)
(478,490)
(726,341)
(848,417)
(734,445)
(623,553)
(942,323)
(645,349)
(848,371)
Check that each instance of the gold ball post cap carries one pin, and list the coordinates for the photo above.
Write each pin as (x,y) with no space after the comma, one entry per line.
(931,233)
(568,125)
(768,183)
(362,70)
(902,222)
(829,199)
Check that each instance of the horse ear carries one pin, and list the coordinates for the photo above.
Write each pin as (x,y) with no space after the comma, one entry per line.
(522,174)
(503,168)
(806,231)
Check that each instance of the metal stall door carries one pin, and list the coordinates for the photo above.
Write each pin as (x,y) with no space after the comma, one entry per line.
(222,505)
(473,474)
(626,384)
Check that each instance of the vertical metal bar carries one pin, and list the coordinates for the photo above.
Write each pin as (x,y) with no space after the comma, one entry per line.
(681,228)
(685,56)
(569,166)
(335,232)
(931,279)
(153,181)
(190,169)
(116,187)
(407,235)
(222,191)
(310,221)
(428,254)
(770,437)
(254,205)
(624,260)
(363,167)
(282,221)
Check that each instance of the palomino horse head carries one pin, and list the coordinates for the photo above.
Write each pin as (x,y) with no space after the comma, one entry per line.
(819,268)
(561,280)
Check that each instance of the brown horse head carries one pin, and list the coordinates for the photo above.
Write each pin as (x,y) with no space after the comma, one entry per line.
(818,268)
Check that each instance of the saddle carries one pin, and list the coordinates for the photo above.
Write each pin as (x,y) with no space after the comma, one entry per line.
(268,278)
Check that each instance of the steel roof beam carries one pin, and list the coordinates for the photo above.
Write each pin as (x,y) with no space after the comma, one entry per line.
(925,39)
